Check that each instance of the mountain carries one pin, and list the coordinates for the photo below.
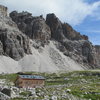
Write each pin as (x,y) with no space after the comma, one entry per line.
(29,43)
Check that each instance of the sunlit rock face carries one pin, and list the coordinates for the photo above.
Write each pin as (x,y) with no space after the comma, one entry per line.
(13,42)
(97,49)
(72,43)
(39,44)
(3,10)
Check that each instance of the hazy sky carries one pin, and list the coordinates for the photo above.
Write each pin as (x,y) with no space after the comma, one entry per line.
(83,15)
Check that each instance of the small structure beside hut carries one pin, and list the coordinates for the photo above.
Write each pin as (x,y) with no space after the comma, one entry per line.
(30,81)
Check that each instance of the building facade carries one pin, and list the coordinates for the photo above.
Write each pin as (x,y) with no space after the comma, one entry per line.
(30,81)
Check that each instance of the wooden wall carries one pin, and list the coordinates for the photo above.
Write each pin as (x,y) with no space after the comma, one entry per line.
(30,83)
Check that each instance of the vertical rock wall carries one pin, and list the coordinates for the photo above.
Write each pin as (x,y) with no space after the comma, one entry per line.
(3,10)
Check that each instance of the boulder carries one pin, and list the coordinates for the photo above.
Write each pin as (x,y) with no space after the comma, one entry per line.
(6,91)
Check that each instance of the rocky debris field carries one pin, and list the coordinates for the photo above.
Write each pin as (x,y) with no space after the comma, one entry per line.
(78,85)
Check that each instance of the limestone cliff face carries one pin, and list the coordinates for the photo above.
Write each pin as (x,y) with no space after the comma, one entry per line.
(34,27)
(61,30)
(68,41)
(97,49)
(74,44)
(3,10)
(12,42)
(19,29)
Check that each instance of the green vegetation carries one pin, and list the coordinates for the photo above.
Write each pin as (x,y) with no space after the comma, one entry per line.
(9,77)
(25,93)
(17,98)
(83,84)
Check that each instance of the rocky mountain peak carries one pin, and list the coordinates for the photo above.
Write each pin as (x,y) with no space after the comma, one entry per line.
(60,30)
(56,27)
(34,27)
(3,10)
(21,31)
(13,42)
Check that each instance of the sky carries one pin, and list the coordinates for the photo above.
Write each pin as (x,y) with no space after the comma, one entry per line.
(83,15)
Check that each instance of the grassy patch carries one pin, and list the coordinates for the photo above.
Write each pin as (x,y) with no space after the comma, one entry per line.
(25,93)
(9,77)
(83,84)
(17,98)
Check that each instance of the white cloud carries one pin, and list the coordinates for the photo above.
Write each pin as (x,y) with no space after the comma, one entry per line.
(71,11)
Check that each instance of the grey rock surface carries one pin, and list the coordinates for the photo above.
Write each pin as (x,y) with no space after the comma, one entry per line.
(15,38)
(71,42)
(12,42)
(97,53)
(34,27)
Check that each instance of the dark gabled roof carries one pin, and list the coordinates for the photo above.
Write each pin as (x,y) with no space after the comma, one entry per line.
(31,77)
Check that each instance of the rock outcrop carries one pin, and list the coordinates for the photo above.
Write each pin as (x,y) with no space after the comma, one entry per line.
(72,43)
(61,30)
(56,27)
(19,29)
(12,42)
(68,41)
(97,49)
(33,27)
(3,10)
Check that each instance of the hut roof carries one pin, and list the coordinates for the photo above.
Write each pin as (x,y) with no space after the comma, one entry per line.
(31,77)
